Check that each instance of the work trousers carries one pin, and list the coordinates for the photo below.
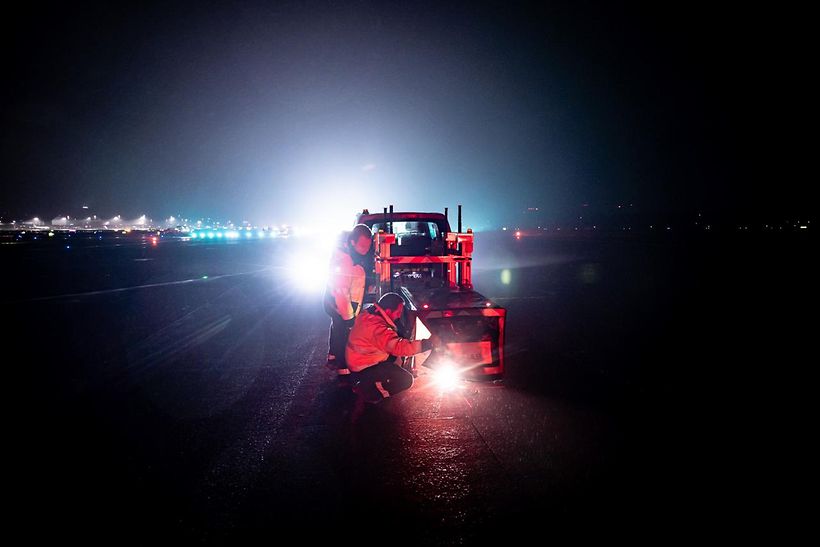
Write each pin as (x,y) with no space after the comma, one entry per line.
(393,378)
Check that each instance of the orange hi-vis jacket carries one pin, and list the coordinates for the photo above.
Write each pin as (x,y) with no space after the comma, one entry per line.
(373,339)
(345,284)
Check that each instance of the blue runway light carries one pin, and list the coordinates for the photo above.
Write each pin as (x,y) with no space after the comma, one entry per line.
(210,235)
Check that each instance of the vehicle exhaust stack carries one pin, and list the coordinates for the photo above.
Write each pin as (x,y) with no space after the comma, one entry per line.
(460,268)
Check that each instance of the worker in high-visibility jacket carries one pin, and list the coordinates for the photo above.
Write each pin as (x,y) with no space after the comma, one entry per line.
(373,346)
(345,291)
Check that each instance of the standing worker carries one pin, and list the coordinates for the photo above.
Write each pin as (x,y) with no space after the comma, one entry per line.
(345,291)
(373,346)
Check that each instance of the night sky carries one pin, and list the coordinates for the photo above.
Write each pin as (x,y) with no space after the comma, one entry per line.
(272,111)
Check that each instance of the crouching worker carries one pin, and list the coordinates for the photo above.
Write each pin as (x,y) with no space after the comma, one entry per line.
(373,346)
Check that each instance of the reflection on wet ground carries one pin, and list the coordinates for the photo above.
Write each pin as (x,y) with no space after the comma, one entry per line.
(180,388)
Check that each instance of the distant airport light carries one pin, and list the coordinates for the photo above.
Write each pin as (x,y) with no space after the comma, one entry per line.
(260,234)
(210,235)
(219,235)
(248,235)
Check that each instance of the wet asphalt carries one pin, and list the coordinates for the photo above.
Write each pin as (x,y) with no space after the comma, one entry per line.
(178,391)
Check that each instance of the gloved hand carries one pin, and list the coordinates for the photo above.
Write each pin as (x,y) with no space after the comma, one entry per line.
(349,322)
(432,343)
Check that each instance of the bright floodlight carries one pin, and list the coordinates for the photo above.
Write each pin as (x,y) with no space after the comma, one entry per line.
(308,271)
(308,264)
(447,377)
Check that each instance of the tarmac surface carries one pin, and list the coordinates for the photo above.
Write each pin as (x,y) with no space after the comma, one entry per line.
(178,391)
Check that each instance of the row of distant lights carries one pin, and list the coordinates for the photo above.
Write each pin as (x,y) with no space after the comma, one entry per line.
(231,234)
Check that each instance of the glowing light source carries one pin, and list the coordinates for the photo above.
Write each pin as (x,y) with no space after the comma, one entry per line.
(447,377)
(309,262)
(506,277)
